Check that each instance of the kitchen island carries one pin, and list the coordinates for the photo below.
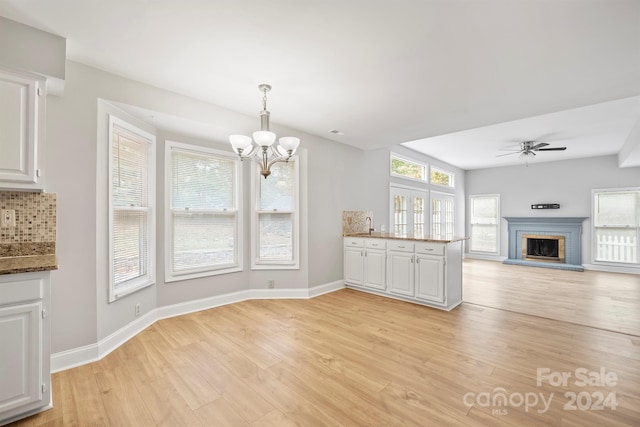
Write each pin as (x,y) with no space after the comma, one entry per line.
(421,269)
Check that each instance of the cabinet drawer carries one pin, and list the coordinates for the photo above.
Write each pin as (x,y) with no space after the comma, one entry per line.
(430,248)
(354,242)
(400,245)
(14,291)
(375,244)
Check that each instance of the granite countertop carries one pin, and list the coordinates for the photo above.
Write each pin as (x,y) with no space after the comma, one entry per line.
(412,237)
(27,257)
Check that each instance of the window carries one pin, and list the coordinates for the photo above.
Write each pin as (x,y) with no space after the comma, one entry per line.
(202,216)
(131,208)
(442,215)
(616,223)
(275,231)
(441,177)
(406,168)
(408,210)
(484,222)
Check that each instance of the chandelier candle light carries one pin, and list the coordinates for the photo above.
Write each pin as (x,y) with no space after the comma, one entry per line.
(264,139)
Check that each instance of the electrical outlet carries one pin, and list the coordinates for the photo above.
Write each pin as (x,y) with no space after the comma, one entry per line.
(137,309)
(8,218)
(271,284)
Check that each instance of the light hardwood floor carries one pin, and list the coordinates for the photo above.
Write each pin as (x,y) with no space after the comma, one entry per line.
(348,358)
(608,301)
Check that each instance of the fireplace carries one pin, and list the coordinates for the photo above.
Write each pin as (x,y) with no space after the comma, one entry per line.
(551,242)
(543,248)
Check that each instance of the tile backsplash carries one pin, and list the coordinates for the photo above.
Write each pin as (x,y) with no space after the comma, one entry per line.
(35,217)
(355,221)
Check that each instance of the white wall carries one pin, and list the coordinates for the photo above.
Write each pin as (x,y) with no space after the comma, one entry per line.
(568,183)
(81,314)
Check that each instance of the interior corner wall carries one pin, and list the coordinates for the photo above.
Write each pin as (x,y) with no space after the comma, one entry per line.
(568,183)
(335,176)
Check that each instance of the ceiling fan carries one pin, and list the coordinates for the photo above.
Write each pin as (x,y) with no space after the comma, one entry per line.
(528,148)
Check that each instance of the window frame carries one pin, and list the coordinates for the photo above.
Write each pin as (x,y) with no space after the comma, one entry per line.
(211,270)
(440,195)
(594,238)
(133,285)
(425,168)
(411,193)
(497,224)
(452,177)
(256,263)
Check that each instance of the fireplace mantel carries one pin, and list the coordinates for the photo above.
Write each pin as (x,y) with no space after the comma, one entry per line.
(569,227)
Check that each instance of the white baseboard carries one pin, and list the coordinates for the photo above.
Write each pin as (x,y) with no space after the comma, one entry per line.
(79,356)
(611,268)
(200,304)
(484,257)
(92,353)
(326,288)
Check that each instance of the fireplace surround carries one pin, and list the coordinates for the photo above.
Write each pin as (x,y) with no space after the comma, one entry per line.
(552,242)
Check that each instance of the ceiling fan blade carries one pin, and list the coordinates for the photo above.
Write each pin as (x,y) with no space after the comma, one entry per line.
(553,149)
(539,145)
(507,154)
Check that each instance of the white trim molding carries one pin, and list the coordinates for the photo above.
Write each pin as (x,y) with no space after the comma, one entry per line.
(79,356)
(612,268)
(487,257)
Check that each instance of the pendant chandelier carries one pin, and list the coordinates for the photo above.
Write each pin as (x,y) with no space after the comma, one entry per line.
(264,150)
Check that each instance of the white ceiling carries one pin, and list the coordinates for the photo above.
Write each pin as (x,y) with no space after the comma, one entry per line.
(382,72)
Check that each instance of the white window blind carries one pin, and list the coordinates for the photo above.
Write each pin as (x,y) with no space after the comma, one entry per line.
(276,223)
(484,223)
(132,208)
(203,212)
(616,220)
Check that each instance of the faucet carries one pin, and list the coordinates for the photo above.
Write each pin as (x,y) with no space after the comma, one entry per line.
(370,224)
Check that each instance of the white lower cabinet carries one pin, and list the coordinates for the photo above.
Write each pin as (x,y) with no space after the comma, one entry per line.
(429,278)
(429,273)
(354,266)
(375,264)
(24,351)
(365,263)
(354,261)
(401,271)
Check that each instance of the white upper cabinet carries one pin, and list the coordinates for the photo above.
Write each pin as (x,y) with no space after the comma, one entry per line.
(22,110)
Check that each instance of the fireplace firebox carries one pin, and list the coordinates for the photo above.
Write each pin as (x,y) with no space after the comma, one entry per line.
(543,248)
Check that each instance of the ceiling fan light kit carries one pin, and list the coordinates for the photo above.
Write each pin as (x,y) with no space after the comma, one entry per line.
(528,149)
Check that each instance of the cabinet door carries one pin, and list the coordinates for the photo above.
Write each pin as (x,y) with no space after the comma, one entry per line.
(375,269)
(430,278)
(21,122)
(354,266)
(20,355)
(400,273)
